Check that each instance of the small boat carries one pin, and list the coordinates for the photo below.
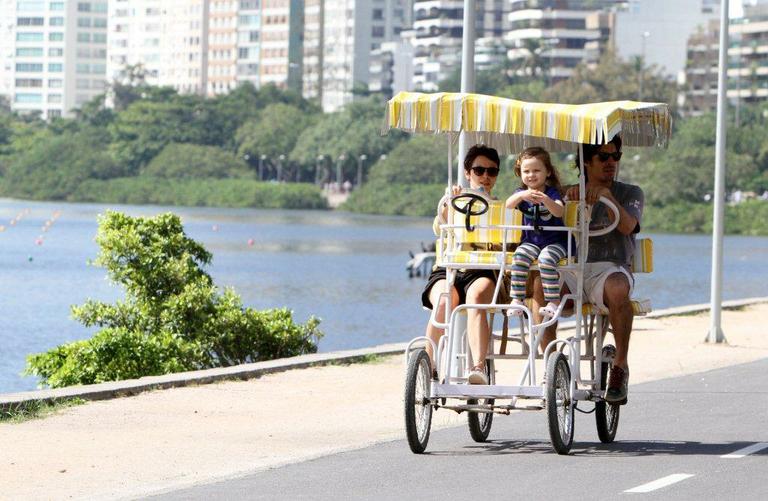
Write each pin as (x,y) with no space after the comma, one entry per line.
(421,263)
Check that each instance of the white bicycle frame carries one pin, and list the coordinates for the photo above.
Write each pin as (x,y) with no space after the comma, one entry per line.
(452,354)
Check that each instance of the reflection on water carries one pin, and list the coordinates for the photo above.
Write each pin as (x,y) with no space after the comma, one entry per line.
(349,270)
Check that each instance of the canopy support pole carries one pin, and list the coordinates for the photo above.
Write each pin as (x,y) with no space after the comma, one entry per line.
(467,76)
(715,334)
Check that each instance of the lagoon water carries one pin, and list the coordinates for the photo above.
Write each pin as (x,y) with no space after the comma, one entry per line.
(347,269)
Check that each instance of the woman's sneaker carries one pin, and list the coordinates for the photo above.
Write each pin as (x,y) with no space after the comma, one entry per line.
(515,312)
(549,311)
(617,386)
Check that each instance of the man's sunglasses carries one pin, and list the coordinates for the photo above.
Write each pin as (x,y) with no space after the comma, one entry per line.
(492,171)
(603,156)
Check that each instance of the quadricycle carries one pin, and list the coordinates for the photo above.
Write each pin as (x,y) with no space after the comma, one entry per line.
(570,370)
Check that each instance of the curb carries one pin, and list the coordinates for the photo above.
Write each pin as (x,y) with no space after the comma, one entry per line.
(103,391)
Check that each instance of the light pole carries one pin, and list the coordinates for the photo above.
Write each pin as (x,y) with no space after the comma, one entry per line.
(262,158)
(280,167)
(318,165)
(342,157)
(641,72)
(360,160)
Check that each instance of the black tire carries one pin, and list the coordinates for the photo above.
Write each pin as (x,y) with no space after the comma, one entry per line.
(606,415)
(418,408)
(480,422)
(559,406)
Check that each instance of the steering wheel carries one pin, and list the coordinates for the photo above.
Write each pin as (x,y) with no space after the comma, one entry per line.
(610,227)
(471,196)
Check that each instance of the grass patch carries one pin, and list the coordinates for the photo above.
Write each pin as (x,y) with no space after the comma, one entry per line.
(370,358)
(36,409)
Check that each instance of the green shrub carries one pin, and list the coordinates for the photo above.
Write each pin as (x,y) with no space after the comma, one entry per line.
(181,161)
(202,192)
(172,319)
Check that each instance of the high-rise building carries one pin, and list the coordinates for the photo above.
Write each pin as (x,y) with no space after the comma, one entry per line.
(339,36)
(552,37)
(282,22)
(747,77)
(657,30)
(437,36)
(248,41)
(168,39)
(53,54)
(222,46)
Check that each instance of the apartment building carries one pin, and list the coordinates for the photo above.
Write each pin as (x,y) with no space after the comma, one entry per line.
(437,36)
(282,22)
(53,57)
(248,38)
(222,46)
(167,38)
(657,30)
(339,37)
(747,77)
(552,37)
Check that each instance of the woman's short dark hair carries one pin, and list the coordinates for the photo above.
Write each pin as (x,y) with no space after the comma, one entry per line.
(481,150)
(590,150)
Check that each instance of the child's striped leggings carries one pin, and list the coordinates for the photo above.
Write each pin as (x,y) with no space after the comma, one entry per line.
(549,256)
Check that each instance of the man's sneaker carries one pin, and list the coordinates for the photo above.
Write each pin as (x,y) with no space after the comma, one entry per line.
(477,377)
(617,386)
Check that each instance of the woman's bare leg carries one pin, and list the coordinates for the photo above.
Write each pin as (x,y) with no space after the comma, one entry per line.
(478,331)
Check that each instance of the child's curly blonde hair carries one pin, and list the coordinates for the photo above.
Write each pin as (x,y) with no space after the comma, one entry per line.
(553,178)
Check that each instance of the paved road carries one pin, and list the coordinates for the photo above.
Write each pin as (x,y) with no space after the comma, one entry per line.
(671,442)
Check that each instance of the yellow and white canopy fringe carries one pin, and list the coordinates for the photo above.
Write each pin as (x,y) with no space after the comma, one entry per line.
(510,125)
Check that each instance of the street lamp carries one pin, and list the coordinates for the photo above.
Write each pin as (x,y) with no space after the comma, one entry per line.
(318,164)
(644,37)
(360,160)
(342,157)
(262,158)
(280,167)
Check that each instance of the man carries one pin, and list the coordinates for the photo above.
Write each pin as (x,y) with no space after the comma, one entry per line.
(608,282)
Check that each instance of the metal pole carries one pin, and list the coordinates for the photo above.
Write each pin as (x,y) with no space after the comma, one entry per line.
(641,71)
(715,334)
(261,167)
(342,157)
(280,167)
(360,160)
(467,75)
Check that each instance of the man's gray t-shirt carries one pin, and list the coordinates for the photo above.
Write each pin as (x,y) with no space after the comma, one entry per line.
(615,247)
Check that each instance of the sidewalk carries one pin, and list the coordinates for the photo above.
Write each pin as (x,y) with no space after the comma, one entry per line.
(164,440)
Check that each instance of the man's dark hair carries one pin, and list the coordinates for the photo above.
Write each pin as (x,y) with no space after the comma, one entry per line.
(481,150)
(590,150)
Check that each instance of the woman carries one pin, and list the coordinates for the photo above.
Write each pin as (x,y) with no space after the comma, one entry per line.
(481,168)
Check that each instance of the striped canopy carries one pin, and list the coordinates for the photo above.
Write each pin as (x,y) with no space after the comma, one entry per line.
(509,125)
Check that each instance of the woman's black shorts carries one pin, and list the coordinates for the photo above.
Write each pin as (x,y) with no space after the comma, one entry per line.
(463,280)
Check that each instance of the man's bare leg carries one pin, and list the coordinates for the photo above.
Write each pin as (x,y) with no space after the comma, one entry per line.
(616,298)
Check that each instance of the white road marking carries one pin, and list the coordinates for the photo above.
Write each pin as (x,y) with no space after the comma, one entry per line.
(662,482)
(746,451)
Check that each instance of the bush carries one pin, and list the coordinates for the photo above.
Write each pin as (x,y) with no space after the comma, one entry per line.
(172,319)
(204,193)
(179,161)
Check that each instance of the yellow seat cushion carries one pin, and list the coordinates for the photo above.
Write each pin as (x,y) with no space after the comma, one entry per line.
(642,260)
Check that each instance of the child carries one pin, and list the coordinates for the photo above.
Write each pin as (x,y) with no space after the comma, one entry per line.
(542,206)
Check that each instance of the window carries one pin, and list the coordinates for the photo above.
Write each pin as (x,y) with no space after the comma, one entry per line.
(29,21)
(29,37)
(100,7)
(54,98)
(56,52)
(54,113)
(99,22)
(57,5)
(84,7)
(56,37)
(82,83)
(29,82)
(55,67)
(242,53)
(83,53)
(56,21)
(83,37)
(98,68)
(55,83)
(83,69)
(99,38)
(377,31)
(29,67)
(84,22)
(28,98)
(30,5)
(30,52)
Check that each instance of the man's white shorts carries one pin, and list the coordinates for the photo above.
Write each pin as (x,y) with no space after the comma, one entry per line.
(595,275)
